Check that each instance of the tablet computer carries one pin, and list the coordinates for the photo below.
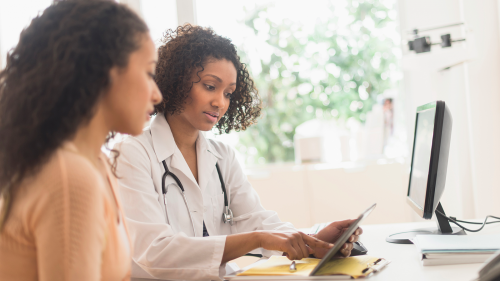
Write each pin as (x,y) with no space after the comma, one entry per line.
(342,239)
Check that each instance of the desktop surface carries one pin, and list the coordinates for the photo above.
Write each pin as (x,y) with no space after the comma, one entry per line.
(406,262)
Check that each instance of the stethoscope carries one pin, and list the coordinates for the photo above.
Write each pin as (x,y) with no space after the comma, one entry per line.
(227,216)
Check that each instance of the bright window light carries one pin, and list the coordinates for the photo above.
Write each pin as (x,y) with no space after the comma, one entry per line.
(14,17)
(333,62)
(160,15)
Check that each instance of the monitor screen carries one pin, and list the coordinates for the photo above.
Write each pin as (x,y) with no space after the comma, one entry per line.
(429,163)
(421,156)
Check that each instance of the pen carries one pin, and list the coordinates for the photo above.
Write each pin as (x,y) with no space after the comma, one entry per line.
(293,267)
(373,266)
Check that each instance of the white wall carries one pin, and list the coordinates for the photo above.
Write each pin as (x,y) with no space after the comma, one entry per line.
(484,87)
(306,195)
(471,89)
(314,193)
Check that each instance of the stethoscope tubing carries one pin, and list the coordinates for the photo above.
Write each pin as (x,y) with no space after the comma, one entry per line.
(227,216)
(187,205)
(226,204)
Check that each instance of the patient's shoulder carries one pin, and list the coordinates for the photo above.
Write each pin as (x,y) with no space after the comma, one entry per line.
(67,168)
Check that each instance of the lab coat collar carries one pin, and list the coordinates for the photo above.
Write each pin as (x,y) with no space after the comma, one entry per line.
(209,146)
(165,147)
(207,158)
(164,143)
(163,140)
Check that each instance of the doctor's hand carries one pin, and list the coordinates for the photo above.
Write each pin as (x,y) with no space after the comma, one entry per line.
(295,245)
(332,232)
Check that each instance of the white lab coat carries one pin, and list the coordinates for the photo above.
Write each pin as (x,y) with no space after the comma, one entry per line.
(169,250)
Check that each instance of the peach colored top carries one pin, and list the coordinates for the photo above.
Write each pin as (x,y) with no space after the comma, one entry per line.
(64,224)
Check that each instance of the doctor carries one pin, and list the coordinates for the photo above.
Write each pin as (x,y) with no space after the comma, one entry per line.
(188,204)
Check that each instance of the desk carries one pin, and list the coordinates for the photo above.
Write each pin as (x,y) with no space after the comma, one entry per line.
(406,263)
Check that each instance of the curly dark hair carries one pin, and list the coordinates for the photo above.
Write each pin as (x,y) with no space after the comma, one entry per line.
(55,77)
(188,48)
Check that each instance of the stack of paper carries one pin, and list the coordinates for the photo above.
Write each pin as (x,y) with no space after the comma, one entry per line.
(456,249)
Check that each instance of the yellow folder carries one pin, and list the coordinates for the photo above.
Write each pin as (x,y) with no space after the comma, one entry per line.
(358,266)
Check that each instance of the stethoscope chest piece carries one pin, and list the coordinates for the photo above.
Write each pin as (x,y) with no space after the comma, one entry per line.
(227,216)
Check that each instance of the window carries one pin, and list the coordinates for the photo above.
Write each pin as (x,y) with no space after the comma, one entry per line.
(327,71)
(14,17)
(160,15)
(324,69)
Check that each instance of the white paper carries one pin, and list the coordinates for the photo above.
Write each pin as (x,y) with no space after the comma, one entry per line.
(458,243)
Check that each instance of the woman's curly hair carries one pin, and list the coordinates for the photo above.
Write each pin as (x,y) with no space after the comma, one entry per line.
(188,48)
(55,77)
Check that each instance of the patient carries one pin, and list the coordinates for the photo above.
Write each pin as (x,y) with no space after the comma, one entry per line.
(81,70)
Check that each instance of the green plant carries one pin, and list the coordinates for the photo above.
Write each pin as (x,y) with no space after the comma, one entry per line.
(334,69)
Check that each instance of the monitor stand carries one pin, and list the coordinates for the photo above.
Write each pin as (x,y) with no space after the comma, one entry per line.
(443,228)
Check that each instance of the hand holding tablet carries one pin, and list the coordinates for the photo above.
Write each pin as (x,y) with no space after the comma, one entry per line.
(343,238)
(332,232)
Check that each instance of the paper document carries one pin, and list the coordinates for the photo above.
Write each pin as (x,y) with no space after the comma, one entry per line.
(358,266)
(435,259)
(279,265)
(457,243)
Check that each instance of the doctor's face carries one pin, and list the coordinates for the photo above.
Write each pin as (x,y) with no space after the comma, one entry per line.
(210,95)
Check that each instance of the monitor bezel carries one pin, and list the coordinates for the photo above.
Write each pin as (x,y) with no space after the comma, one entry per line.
(428,208)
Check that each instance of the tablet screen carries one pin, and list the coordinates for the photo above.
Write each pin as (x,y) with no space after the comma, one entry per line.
(342,239)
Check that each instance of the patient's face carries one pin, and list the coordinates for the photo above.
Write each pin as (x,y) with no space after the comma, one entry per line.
(133,91)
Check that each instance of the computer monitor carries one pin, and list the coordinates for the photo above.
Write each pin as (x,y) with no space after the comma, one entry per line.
(429,162)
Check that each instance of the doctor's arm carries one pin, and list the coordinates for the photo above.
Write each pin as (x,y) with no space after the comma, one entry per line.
(292,243)
(250,215)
